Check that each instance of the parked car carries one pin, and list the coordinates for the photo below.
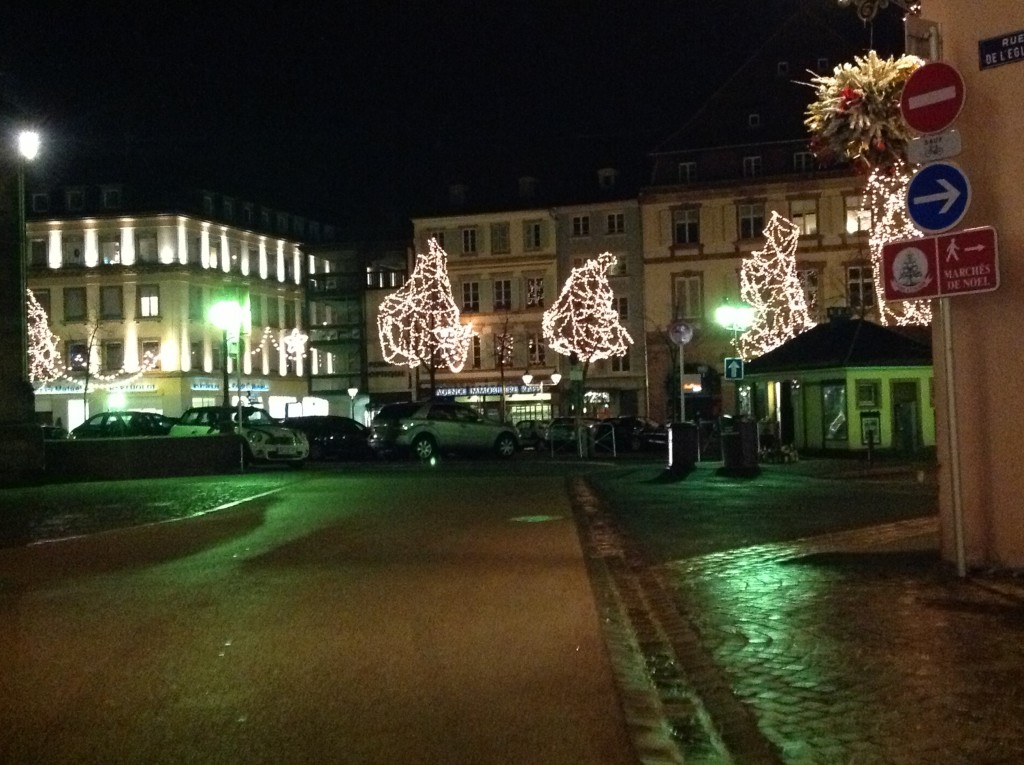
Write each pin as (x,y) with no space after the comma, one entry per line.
(559,433)
(123,425)
(428,428)
(333,437)
(636,434)
(530,433)
(266,439)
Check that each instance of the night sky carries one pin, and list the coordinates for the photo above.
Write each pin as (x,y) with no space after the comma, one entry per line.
(351,112)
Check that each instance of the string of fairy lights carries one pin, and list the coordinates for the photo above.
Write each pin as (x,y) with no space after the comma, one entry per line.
(46,363)
(419,324)
(583,320)
(769,284)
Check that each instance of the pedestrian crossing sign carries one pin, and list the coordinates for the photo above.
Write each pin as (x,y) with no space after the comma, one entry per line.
(734,368)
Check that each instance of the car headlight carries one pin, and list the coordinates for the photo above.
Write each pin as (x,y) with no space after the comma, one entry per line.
(255,437)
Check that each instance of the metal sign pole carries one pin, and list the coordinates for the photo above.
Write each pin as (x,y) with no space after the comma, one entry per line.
(954,439)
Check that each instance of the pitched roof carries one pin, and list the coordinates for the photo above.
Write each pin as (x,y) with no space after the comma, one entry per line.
(847,343)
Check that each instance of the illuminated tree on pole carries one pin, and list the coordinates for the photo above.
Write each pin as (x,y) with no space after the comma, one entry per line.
(583,323)
(419,324)
(769,284)
(44,363)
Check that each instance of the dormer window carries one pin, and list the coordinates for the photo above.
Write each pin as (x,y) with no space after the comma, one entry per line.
(75,199)
(527,187)
(754,120)
(823,63)
(606,177)
(40,202)
(111,198)
(782,69)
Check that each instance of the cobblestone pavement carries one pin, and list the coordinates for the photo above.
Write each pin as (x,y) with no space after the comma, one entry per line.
(847,647)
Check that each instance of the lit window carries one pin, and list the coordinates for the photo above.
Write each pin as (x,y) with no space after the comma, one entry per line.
(804,215)
(535,292)
(151,353)
(149,300)
(858,218)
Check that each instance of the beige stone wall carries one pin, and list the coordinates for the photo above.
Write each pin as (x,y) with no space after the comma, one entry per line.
(986,334)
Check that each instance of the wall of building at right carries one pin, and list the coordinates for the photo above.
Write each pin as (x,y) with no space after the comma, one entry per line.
(985,328)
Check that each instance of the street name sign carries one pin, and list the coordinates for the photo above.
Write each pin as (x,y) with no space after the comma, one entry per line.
(958,263)
(932,97)
(1005,49)
(931,148)
(733,368)
(938,196)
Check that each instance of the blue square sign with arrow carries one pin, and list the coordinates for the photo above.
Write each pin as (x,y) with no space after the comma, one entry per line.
(734,368)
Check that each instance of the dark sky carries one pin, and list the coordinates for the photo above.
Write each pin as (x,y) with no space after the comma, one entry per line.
(351,111)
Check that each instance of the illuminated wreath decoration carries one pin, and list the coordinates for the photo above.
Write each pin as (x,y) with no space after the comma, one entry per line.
(856,113)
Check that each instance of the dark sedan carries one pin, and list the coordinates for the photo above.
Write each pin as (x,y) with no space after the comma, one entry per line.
(123,425)
(333,437)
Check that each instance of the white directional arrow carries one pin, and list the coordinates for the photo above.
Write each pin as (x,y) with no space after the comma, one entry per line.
(949,196)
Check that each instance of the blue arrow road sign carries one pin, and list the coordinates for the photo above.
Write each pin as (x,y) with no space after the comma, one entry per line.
(734,368)
(938,196)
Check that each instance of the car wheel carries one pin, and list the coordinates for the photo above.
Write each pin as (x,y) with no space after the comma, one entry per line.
(424,447)
(505,446)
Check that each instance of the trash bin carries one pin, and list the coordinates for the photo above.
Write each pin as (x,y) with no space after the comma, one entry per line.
(739,444)
(682,446)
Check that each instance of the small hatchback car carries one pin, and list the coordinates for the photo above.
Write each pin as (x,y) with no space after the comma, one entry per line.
(431,427)
(265,438)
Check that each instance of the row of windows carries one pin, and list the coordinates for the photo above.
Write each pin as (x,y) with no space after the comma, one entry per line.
(688,292)
(144,244)
(750,217)
(111,198)
(533,294)
(614,223)
(111,356)
(478,358)
(535,237)
(147,305)
(753,164)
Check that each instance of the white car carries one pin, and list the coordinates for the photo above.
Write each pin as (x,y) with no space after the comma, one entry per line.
(265,438)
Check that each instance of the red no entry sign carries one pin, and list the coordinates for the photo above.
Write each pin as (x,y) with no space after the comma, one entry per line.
(932,97)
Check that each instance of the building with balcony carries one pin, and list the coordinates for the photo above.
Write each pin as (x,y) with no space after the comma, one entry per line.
(126,277)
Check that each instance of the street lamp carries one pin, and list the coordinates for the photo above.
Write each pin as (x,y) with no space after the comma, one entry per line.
(28,149)
(233,320)
(352,401)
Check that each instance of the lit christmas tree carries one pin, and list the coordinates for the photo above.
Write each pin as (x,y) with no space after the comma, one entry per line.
(419,324)
(583,323)
(44,362)
(769,284)
(886,197)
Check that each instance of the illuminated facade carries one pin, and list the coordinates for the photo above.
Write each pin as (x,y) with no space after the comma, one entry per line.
(125,292)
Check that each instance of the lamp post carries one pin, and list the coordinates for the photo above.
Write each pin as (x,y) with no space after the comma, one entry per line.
(352,401)
(28,149)
(233,320)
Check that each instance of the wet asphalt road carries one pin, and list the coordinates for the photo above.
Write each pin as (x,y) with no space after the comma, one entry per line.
(430,617)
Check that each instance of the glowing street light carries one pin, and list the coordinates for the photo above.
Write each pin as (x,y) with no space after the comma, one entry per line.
(233,320)
(734,317)
(28,144)
(352,401)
